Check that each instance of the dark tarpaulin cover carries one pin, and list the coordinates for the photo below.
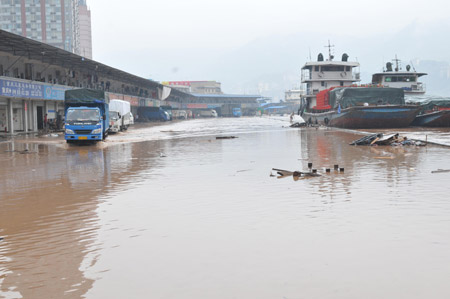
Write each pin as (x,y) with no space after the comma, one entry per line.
(358,96)
(85,96)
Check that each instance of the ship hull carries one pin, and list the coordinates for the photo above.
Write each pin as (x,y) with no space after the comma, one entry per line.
(375,117)
(433,119)
(414,92)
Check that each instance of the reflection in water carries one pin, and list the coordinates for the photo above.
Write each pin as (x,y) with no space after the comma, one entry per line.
(205,220)
(48,214)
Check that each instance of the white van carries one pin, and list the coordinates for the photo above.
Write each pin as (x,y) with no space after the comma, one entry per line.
(208,113)
(179,114)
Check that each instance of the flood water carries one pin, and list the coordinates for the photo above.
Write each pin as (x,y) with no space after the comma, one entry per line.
(169,211)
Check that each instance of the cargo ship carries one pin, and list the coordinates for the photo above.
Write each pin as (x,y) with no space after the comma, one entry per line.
(408,79)
(434,113)
(333,98)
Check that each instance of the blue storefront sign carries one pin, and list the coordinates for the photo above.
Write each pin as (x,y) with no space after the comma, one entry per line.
(19,89)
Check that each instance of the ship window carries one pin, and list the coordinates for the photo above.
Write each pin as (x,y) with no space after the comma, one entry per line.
(316,68)
(342,83)
(333,68)
(347,69)
(322,83)
(388,79)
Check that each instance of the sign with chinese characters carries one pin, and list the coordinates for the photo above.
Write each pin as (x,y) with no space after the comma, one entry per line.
(27,90)
(196,106)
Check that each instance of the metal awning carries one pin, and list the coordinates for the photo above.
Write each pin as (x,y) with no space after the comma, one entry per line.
(24,47)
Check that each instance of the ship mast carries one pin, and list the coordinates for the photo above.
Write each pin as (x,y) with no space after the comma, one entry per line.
(330,57)
(397,63)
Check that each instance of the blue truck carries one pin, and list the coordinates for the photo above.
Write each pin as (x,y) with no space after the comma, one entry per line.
(230,110)
(153,113)
(237,112)
(86,115)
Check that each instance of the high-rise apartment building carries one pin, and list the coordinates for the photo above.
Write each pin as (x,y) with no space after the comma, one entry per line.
(84,29)
(55,22)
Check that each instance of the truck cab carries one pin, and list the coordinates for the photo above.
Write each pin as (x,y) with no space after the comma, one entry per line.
(114,121)
(84,123)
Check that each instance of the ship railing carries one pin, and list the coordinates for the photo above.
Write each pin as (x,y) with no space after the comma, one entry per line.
(310,91)
(419,86)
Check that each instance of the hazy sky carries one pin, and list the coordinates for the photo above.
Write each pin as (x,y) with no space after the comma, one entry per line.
(148,38)
(230,23)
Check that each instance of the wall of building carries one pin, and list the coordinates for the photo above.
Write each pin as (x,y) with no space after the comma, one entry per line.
(84,19)
(60,23)
(206,87)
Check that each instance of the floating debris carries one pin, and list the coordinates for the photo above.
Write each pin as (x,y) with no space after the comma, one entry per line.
(24,152)
(226,137)
(298,125)
(390,139)
(440,171)
(285,173)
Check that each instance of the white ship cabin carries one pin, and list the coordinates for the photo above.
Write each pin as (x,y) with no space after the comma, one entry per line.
(407,80)
(293,95)
(323,74)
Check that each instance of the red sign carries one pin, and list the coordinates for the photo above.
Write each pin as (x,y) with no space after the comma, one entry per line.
(197,106)
(178,83)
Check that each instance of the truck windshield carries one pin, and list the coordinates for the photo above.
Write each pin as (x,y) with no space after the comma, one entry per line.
(114,115)
(82,115)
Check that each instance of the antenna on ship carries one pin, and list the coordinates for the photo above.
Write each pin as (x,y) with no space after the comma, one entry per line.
(397,63)
(310,54)
(413,66)
(329,50)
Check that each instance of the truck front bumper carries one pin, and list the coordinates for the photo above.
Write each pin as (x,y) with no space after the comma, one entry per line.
(96,137)
(114,129)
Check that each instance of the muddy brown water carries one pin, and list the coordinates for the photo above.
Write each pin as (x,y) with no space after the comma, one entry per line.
(171,212)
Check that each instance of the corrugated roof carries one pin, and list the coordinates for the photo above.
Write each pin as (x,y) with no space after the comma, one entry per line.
(21,46)
(274,107)
(224,95)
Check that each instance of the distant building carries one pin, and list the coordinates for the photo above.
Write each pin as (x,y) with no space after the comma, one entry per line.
(196,87)
(293,95)
(85,36)
(61,23)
